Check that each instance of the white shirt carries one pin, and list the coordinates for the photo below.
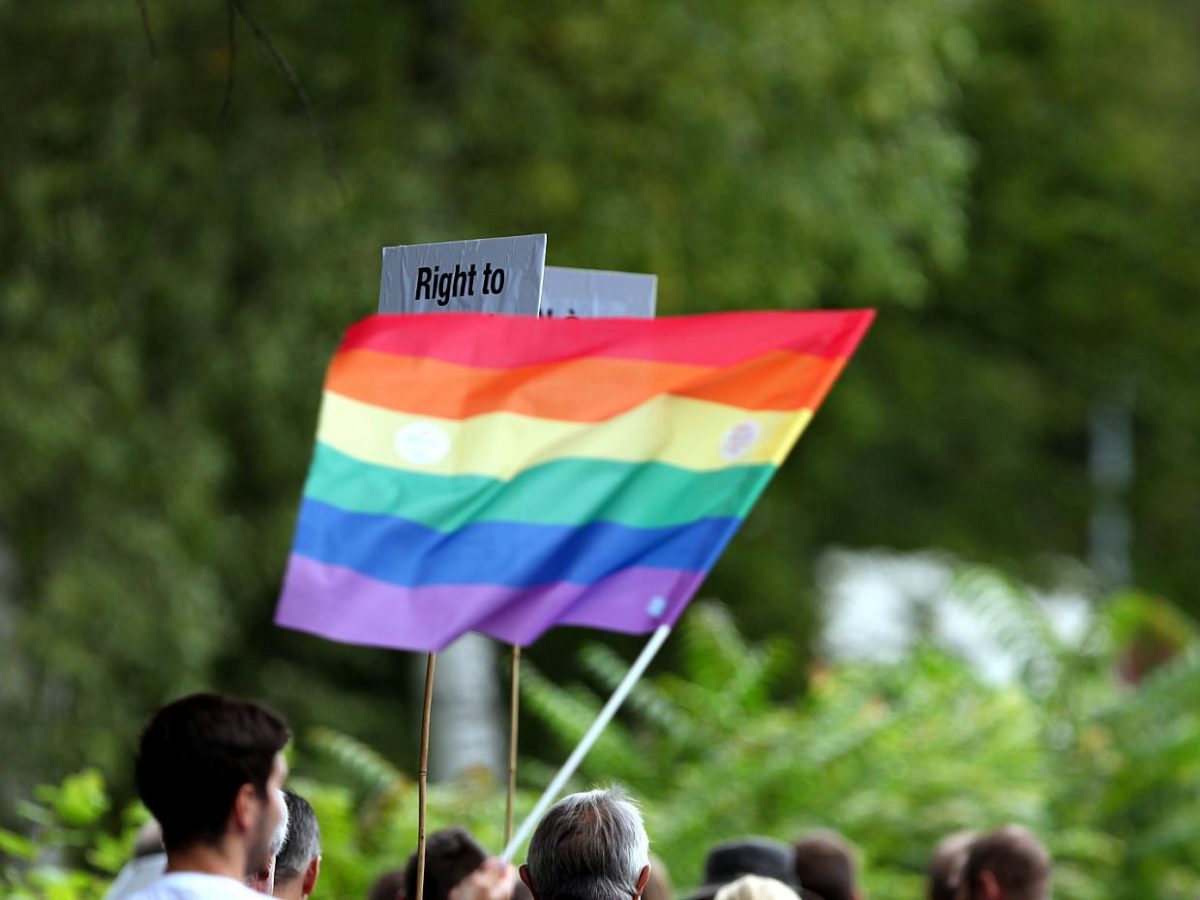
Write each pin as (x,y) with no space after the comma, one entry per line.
(137,874)
(196,886)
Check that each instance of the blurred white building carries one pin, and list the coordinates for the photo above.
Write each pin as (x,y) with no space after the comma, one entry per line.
(879,604)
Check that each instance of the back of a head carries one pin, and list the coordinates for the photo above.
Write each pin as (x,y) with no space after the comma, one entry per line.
(947,864)
(825,865)
(451,854)
(1017,861)
(589,846)
(388,886)
(279,836)
(730,860)
(303,843)
(756,887)
(195,755)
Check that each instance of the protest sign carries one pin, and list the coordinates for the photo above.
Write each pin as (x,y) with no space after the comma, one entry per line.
(495,275)
(592,294)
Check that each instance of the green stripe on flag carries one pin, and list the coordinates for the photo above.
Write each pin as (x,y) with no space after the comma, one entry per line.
(560,492)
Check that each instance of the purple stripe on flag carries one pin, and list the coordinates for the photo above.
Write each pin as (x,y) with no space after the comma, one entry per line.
(610,609)
(341,604)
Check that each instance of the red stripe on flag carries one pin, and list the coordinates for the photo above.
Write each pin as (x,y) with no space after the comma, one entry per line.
(501,342)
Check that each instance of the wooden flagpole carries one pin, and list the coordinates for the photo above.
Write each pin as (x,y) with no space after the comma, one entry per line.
(514,712)
(423,772)
(577,755)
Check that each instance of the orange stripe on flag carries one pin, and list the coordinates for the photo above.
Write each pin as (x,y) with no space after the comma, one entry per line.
(587,389)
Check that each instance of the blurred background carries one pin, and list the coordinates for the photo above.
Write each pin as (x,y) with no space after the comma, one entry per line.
(968,598)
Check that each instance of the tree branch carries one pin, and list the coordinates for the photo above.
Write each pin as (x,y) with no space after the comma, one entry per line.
(232,42)
(292,79)
(146,25)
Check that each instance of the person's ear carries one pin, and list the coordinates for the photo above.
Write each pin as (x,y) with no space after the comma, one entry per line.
(641,882)
(311,874)
(524,873)
(991,887)
(247,807)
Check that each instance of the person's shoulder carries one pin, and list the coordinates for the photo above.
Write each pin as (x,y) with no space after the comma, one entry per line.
(195,886)
(137,874)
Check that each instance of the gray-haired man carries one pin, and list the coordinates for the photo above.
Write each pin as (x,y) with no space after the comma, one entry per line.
(590,846)
(298,864)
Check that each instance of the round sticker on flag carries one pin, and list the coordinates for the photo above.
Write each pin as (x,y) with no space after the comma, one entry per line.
(656,607)
(421,443)
(739,439)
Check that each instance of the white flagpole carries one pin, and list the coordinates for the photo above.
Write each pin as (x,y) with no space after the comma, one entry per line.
(577,755)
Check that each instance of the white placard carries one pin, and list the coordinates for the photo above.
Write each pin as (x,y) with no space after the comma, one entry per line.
(495,275)
(594,294)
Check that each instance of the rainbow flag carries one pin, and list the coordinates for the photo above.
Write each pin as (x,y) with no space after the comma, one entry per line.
(505,475)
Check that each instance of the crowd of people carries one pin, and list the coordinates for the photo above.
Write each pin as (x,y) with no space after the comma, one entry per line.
(211,770)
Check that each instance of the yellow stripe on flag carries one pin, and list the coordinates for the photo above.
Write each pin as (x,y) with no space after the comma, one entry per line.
(692,434)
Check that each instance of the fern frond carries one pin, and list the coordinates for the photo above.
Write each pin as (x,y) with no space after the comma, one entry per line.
(713,649)
(569,712)
(366,766)
(1172,686)
(1013,617)
(565,713)
(646,700)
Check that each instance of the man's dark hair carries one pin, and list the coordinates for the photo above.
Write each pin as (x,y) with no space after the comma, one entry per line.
(450,856)
(303,843)
(196,754)
(730,860)
(825,865)
(946,865)
(388,886)
(1017,860)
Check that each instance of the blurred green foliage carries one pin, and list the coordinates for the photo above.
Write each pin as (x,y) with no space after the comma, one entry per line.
(894,756)
(1010,182)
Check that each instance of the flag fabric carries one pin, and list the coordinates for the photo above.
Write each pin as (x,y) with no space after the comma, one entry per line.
(505,475)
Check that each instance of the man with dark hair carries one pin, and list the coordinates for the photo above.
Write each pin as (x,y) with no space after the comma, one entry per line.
(1009,863)
(388,886)
(729,861)
(298,864)
(946,865)
(210,768)
(589,846)
(825,866)
(451,854)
